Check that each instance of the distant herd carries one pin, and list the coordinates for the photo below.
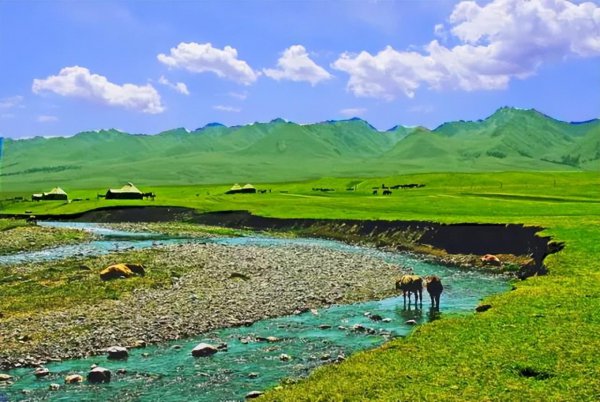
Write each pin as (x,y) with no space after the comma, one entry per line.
(414,284)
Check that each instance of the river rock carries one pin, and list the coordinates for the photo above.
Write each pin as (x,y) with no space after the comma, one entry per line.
(253,375)
(483,307)
(375,317)
(410,322)
(54,387)
(386,320)
(204,349)
(117,353)
(99,375)
(253,394)
(73,379)
(284,358)
(5,377)
(324,326)
(41,372)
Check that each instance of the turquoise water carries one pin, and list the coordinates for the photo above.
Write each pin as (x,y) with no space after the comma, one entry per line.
(168,372)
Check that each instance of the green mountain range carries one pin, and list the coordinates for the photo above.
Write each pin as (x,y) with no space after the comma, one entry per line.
(510,139)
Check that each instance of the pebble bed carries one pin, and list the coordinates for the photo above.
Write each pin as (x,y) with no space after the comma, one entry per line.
(222,286)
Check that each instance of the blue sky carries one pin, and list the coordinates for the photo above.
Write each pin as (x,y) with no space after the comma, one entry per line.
(145,67)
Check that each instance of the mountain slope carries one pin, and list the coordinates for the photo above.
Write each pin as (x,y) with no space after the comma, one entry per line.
(510,139)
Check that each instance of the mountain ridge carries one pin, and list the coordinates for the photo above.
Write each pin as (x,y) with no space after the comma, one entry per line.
(509,139)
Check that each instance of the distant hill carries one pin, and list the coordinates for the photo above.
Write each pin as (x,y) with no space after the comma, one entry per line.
(510,139)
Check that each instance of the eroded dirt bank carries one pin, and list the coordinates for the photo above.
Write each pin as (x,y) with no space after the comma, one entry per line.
(444,241)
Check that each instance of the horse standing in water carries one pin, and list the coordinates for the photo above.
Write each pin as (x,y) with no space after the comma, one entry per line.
(435,288)
(411,284)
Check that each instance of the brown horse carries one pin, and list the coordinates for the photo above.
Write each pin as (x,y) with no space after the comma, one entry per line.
(411,284)
(435,288)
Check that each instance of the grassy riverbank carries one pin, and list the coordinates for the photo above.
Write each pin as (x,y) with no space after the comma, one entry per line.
(537,342)
(17,235)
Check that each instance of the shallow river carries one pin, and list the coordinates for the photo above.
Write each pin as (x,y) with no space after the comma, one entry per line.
(168,372)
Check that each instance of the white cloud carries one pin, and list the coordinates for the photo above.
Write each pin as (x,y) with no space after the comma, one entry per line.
(47,118)
(78,82)
(223,108)
(353,111)
(178,86)
(200,58)
(11,102)
(239,95)
(500,41)
(439,30)
(295,65)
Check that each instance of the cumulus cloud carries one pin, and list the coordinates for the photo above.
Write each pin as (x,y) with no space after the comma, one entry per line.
(200,58)
(78,82)
(11,102)
(44,118)
(295,65)
(497,42)
(224,108)
(353,111)
(178,86)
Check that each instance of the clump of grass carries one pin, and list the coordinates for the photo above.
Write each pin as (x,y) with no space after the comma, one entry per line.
(56,285)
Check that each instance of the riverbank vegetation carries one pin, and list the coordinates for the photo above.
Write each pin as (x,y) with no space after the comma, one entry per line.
(17,235)
(537,342)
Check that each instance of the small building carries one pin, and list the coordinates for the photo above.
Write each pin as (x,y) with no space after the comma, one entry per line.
(237,189)
(56,194)
(127,192)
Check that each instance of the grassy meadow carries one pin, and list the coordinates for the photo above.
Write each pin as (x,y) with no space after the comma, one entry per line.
(537,342)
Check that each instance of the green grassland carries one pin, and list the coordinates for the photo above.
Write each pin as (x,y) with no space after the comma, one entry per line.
(537,342)
(475,197)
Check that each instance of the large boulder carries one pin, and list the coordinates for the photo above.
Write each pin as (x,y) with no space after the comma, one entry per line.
(5,378)
(99,375)
(204,349)
(115,272)
(117,353)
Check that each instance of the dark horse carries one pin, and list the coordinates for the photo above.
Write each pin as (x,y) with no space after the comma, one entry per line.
(435,288)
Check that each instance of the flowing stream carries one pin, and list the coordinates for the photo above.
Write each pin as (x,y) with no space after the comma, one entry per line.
(168,372)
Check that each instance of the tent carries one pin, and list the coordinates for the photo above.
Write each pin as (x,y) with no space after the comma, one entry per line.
(248,188)
(237,189)
(56,193)
(127,192)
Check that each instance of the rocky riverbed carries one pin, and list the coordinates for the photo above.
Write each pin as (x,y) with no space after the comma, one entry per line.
(214,286)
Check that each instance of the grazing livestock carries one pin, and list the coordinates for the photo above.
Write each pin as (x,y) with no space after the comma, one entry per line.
(387,192)
(435,288)
(374,192)
(411,284)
